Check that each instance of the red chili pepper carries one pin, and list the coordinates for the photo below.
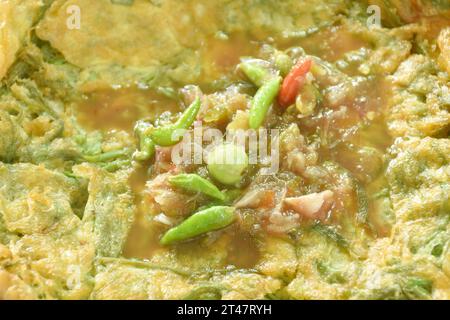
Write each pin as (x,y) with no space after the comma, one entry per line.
(293,83)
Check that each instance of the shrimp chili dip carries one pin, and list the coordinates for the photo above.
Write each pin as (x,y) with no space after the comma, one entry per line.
(163,149)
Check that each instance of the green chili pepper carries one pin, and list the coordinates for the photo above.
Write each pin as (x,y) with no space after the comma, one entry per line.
(146,144)
(193,182)
(146,149)
(261,102)
(254,72)
(163,136)
(211,219)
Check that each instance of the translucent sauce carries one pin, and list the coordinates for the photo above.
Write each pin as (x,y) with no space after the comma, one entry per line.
(120,109)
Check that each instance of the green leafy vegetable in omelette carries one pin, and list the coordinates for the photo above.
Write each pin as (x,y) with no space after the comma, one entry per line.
(224,150)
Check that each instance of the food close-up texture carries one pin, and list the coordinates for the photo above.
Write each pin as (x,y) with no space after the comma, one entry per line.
(348,197)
